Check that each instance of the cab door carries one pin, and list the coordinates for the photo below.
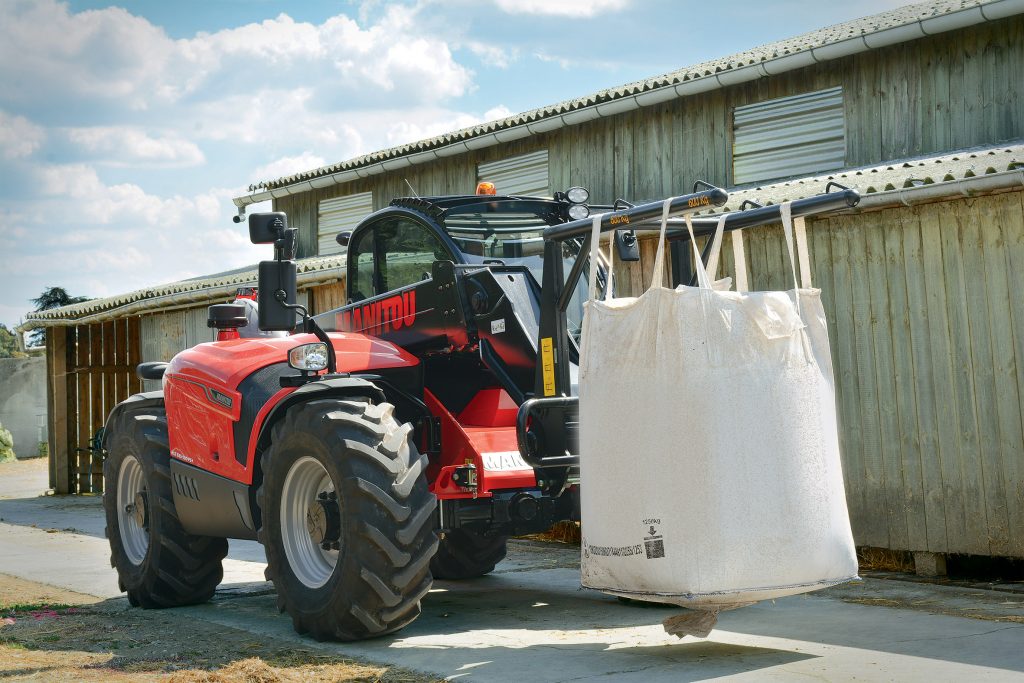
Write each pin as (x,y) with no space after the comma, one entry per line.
(398,266)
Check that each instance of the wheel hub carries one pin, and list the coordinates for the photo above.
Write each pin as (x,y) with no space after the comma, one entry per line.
(139,510)
(323,520)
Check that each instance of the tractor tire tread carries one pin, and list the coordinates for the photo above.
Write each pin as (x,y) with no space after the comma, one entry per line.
(465,555)
(179,568)
(383,567)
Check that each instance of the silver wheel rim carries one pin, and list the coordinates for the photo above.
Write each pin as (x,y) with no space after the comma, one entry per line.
(311,564)
(130,482)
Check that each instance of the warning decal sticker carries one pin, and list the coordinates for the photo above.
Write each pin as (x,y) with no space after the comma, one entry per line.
(654,542)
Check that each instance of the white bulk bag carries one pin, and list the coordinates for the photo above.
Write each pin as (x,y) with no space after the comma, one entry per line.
(710,469)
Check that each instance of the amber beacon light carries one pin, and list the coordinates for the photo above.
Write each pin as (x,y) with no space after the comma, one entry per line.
(486,188)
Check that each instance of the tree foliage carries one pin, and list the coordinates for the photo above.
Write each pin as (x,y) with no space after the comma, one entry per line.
(52,297)
(9,343)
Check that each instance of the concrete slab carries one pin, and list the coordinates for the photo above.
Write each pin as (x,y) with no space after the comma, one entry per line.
(531,620)
(540,626)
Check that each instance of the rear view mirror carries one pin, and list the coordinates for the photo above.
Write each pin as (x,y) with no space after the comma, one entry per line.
(344,238)
(277,288)
(266,228)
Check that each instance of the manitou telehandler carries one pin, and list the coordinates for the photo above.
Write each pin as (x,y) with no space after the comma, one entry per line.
(398,439)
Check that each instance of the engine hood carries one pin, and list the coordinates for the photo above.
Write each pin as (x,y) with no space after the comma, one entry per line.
(227,363)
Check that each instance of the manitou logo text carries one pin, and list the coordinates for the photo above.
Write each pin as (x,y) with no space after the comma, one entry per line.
(378,317)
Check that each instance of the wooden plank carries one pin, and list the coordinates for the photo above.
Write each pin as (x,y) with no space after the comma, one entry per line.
(1008,338)
(134,354)
(57,347)
(83,417)
(880,326)
(972,90)
(964,393)
(648,252)
(876,532)
(121,377)
(935,97)
(329,297)
(948,439)
(109,394)
(923,385)
(985,283)
(96,414)
(895,121)
(908,457)
(51,411)
(850,436)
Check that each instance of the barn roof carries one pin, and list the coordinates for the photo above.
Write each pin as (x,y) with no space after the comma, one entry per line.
(190,292)
(895,26)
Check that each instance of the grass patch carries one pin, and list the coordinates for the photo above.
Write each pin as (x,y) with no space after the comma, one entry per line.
(885,560)
(22,607)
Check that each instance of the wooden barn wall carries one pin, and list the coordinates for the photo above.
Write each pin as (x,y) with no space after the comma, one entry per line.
(90,369)
(931,95)
(927,330)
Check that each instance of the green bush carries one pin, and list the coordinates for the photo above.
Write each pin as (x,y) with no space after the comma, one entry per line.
(6,445)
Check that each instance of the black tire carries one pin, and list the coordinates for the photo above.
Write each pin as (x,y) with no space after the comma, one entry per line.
(373,583)
(164,566)
(465,555)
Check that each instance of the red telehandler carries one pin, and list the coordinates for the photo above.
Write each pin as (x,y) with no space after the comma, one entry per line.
(398,439)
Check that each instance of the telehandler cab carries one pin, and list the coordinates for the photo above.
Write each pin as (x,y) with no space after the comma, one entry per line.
(398,439)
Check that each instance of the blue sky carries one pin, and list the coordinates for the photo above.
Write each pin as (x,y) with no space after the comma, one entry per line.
(126,130)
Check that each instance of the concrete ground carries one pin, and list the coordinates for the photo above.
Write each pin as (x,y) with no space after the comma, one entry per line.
(530,619)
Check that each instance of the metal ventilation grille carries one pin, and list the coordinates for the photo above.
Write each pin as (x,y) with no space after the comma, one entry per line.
(522,175)
(789,136)
(339,214)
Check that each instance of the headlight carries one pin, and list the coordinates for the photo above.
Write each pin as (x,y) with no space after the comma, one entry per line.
(578,211)
(577,195)
(308,357)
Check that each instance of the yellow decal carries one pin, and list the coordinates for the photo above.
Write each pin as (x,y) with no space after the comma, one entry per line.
(698,201)
(616,220)
(547,364)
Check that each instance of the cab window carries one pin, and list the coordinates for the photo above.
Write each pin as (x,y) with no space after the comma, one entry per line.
(363,260)
(392,254)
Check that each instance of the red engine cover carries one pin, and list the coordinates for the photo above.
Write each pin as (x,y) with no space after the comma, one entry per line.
(200,390)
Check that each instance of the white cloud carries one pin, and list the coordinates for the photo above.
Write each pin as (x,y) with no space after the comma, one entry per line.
(566,8)
(497,113)
(19,137)
(109,54)
(105,53)
(123,238)
(104,109)
(492,55)
(123,145)
(289,165)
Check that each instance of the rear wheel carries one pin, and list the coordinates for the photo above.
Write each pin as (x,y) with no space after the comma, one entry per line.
(347,520)
(465,555)
(158,564)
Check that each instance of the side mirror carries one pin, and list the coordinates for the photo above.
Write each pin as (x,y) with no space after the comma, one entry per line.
(266,228)
(344,238)
(277,291)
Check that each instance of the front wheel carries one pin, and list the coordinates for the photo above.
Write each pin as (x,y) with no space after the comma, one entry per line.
(347,520)
(158,563)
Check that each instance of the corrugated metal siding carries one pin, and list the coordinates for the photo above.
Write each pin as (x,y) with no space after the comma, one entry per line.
(789,136)
(522,175)
(339,214)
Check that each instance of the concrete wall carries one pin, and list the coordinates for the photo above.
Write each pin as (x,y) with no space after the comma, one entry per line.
(23,402)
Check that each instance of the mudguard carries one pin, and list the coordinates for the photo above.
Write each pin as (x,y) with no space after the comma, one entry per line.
(143,401)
